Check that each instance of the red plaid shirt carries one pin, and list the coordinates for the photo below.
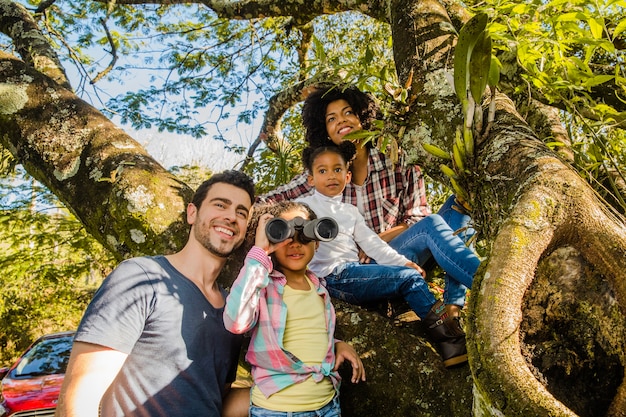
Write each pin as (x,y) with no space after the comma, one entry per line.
(394,194)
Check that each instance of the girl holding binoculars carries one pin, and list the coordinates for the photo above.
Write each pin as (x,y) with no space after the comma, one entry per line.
(293,353)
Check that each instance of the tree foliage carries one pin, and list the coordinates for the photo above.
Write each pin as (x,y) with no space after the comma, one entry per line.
(197,68)
(571,54)
(50,265)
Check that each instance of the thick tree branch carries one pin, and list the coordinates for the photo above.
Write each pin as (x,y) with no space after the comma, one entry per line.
(546,122)
(271,132)
(551,208)
(458,14)
(134,204)
(301,11)
(422,46)
(306,32)
(18,24)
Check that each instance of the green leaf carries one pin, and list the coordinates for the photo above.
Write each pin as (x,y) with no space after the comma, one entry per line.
(571,17)
(521,8)
(449,172)
(467,38)
(436,151)
(320,54)
(597,80)
(369,55)
(621,27)
(494,71)
(479,65)
(597,27)
(361,134)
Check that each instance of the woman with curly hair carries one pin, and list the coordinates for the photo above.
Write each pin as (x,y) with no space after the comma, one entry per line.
(391,196)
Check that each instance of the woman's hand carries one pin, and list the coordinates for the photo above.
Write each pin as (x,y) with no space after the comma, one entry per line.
(344,351)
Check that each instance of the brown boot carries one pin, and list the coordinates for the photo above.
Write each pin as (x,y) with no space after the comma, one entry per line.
(446,331)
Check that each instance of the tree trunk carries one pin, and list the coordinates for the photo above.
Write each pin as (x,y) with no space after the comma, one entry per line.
(542,207)
(527,203)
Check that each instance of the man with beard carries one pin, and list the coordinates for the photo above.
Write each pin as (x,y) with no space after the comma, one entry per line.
(152,341)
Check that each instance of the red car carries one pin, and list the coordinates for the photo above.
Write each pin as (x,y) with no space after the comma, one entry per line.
(31,386)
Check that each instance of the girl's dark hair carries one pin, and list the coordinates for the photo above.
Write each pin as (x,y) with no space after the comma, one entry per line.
(347,151)
(276,209)
(314,111)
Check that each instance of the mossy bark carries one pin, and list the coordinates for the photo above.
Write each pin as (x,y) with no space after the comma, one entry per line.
(405,375)
(527,203)
(125,199)
(542,207)
(573,333)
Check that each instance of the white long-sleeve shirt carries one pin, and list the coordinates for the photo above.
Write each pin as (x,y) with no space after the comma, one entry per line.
(353,231)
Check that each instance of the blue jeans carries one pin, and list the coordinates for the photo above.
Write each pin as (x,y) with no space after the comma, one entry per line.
(332,409)
(358,283)
(460,222)
(434,237)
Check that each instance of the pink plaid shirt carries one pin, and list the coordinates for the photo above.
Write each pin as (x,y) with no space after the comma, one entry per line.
(394,194)
(256,303)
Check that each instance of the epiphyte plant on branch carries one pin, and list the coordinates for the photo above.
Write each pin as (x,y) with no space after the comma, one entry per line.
(475,68)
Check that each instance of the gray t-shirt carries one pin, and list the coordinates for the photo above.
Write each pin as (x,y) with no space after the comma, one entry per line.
(180,355)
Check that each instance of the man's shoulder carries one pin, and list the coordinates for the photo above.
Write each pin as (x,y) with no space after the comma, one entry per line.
(141,267)
(145,261)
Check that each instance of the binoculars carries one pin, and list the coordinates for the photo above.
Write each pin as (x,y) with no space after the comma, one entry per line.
(322,229)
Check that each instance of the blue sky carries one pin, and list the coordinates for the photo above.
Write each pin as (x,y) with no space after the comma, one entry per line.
(170,149)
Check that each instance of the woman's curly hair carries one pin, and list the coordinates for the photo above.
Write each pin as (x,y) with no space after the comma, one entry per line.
(347,151)
(314,110)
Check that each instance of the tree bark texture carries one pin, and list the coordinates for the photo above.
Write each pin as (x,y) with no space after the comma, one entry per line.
(539,205)
(581,363)
(405,375)
(527,203)
(29,41)
(126,199)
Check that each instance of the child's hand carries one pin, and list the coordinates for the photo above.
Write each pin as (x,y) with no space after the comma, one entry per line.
(260,238)
(418,268)
(344,351)
(363,258)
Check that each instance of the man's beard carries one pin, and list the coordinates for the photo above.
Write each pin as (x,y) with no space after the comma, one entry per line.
(205,240)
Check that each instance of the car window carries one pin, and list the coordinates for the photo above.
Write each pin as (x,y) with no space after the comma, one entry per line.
(48,357)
